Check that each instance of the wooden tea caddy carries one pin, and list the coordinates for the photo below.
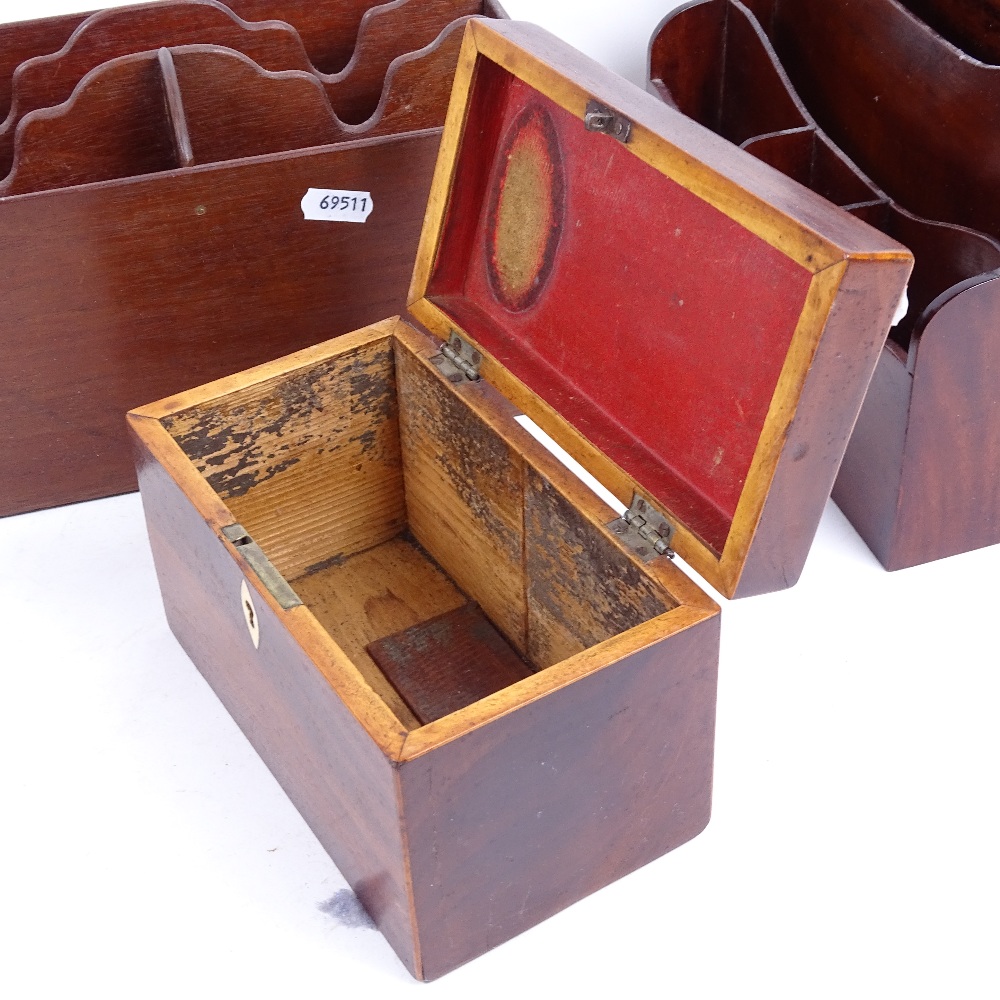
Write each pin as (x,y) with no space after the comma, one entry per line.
(155,158)
(488,694)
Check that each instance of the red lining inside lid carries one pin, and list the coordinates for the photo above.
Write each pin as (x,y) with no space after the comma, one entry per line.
(656,325)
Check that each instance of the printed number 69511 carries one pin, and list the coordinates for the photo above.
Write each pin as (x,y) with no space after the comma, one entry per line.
(343,203)
(332,205)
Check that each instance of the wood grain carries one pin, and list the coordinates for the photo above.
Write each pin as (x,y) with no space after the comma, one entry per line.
(515,820)
(49,80)
(384,33)
(418,85)
(952,456)
(726,188)
(230,107)
(501,811)
(114,126)
(167,277)
(868,483)
(913,478)
(303,727)
(582,587)
(235,108)
(175,279)
(447,662)
(972,25)
(388,31)
(919,479)
(310,466)
(374,594)
(329,31)
(27,39)
(464,495)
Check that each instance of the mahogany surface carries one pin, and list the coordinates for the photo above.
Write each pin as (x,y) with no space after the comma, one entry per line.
(49,80)
(329,31)
(972,25)
(718,324)
(412,40)
(166,279)
(355,91)
(460,833)
(919,476)
(180,277)
(564,799)
(449,662)
(197,104)
(116,125)
(895,76)
(346,788)
(389,495)
(24,40)
(911,481)
(232,108)
(418,85)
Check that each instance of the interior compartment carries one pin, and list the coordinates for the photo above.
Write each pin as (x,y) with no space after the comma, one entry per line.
(948,257)
(387,32)
(969,24)
(27,39)
(116,125)
(916,115)
(49,80)
(945,255)
(805,156)
(97,109)
(411,524)
(196,104)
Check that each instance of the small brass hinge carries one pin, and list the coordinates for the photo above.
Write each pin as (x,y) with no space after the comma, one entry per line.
(276,585)
(599,118)
(645,530)
(458,361)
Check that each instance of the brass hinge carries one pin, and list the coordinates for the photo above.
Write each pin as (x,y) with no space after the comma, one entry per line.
(458,361)
(275,584)
(645,530)
(599,118)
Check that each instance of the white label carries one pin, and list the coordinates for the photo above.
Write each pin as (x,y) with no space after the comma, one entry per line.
(321,205)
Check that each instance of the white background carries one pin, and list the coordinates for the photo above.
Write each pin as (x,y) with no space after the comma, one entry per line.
(145,851)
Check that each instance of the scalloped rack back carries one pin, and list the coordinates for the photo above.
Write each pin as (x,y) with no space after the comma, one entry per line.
(153,162)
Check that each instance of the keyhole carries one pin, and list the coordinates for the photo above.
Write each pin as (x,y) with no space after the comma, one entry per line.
(250,614)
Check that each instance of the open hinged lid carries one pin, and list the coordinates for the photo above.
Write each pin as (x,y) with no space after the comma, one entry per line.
(695,329)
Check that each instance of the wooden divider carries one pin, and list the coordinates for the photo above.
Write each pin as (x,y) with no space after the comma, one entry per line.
(356,91)
(771,120)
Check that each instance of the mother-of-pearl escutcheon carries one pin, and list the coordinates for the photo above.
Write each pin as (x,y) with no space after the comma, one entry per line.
(250,614)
